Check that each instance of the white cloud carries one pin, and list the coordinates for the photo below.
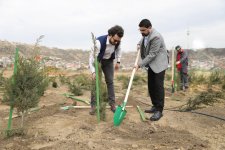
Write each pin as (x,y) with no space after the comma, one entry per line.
(202,36)
(68,23)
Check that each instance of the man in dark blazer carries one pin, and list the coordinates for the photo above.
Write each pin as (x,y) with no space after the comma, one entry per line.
(155,58)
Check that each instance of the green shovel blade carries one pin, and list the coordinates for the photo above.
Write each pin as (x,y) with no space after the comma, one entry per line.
(119,115)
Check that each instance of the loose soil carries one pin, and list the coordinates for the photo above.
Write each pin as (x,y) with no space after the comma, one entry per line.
(51,128)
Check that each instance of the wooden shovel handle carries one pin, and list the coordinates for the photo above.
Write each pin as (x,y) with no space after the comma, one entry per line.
(131,79)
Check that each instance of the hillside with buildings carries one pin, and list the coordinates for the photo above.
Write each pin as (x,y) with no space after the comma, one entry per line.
(208,58)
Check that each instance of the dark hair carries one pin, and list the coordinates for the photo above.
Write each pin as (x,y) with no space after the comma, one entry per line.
(145,23)
(116,30)
(178,47)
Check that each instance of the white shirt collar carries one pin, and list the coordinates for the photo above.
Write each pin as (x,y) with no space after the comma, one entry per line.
(107,41)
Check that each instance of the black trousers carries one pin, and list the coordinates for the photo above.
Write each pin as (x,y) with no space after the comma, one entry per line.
(156,88)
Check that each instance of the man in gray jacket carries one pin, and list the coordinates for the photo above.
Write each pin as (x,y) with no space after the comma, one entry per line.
(155,58)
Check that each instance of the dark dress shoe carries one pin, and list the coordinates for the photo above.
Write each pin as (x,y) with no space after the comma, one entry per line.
(156,116)
(152,110)
(92,111)
(113,108)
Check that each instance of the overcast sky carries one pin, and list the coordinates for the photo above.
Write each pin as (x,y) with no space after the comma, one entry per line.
(69,23)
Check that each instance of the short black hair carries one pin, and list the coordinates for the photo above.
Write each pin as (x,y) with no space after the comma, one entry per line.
(178,47)
(145,23)
(116,30)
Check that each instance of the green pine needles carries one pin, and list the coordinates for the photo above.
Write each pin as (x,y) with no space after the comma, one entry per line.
(30,83)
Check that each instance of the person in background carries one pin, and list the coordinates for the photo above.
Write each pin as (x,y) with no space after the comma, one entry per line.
(155,58)
(108,48)
(182,66)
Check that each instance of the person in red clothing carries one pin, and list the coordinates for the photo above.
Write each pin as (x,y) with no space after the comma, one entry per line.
(182,66)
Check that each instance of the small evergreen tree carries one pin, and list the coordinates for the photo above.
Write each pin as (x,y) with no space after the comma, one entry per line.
(30,84)
(75,88)
(2,80)
(24,89)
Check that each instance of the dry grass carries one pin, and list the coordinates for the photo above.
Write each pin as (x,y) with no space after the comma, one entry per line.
(206,98)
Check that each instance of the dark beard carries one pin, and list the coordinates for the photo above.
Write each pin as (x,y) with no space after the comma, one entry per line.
(144,34)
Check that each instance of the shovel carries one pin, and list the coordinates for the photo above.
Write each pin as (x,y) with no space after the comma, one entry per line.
(172,71)
(120,110)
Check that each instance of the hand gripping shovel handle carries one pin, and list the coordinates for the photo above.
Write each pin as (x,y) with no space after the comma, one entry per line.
(131,80)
